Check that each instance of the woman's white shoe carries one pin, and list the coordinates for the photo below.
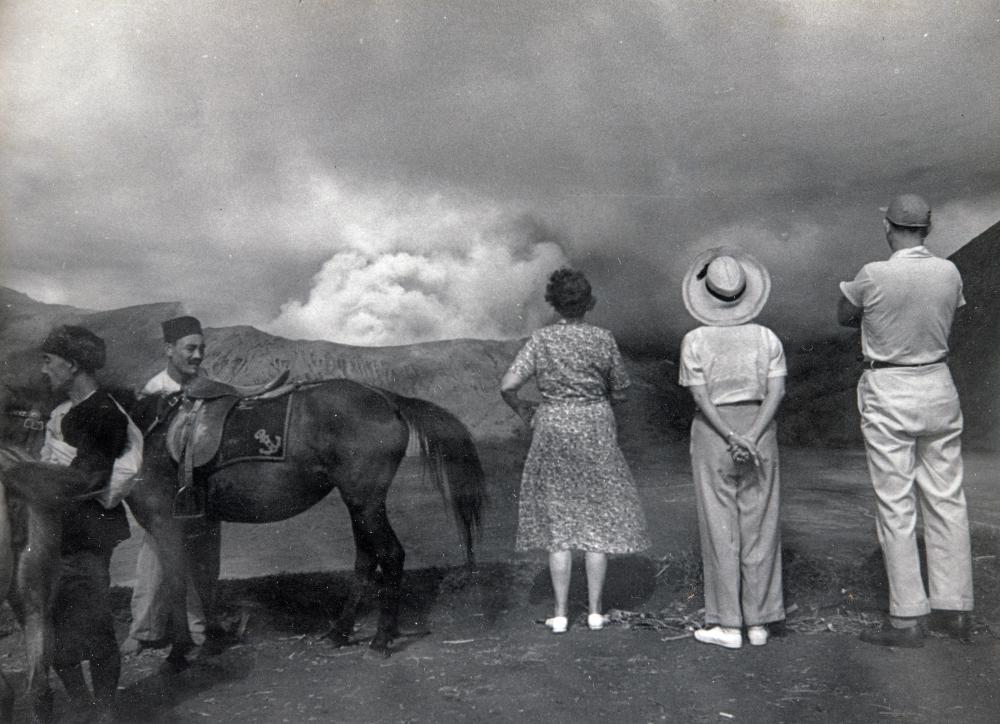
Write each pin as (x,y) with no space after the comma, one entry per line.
(596,621)
(757,635)
(558,624)
(730,638)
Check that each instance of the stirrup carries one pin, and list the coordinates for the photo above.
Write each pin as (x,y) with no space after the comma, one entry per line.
(189,502)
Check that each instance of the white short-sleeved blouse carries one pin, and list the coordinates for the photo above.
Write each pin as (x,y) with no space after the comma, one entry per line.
(733,362)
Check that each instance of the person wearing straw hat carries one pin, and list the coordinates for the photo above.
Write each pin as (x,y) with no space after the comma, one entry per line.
(735,371)
(184,348)
(912,425)
(86,433)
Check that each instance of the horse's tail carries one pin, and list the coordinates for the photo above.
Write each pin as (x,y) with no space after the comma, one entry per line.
(448,452)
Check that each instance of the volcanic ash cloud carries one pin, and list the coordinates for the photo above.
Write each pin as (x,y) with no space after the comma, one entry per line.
(426,269)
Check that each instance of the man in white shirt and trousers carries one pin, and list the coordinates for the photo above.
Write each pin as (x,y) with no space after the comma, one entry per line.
(184,346)
(912,425)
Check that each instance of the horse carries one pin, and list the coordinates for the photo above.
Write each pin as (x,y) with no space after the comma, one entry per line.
(339,434)
(32,496)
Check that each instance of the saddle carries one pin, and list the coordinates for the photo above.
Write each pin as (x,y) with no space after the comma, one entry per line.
(194,435)
(204,388)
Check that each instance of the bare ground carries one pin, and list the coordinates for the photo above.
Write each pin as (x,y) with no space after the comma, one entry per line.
(472,649)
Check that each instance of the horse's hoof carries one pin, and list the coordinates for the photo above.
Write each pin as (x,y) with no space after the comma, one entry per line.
(338,638)
(377,653)
(173,667)
(381,647)
(212,647)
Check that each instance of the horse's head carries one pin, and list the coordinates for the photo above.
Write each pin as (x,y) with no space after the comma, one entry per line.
(24,410)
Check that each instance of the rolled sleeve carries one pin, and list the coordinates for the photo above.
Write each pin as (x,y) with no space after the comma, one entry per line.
(776,366)
(854,290)
(692,371)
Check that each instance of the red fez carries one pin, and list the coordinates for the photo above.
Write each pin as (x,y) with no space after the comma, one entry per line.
(180,327)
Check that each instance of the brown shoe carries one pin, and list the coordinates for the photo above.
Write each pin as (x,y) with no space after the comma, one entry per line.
(956,624)
(907,638)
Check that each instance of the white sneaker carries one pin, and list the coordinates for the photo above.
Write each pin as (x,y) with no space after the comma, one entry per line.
(558,624)
(730,638)
(596,621)
(758,635)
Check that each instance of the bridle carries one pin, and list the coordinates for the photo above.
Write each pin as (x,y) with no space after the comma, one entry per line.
(33,419)
(29,432)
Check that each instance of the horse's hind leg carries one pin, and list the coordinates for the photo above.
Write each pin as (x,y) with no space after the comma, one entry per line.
(6,699)
(378,549)
(364,576)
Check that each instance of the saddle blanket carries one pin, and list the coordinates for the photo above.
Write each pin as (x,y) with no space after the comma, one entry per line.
(255,430)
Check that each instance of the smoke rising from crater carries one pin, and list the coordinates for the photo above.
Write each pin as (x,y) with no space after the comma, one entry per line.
(411,268)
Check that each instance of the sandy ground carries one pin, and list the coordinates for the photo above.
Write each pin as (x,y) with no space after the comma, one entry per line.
(474,652)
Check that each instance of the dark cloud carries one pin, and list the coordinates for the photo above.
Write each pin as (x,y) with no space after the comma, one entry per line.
(237,160)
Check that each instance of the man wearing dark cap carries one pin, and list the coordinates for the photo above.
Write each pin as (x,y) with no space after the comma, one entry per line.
(87,433)
(184,347)
(912,425)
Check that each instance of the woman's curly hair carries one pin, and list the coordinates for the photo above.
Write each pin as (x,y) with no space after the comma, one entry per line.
(568,291)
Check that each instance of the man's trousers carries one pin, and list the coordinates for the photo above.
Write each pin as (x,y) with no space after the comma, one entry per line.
(912,425)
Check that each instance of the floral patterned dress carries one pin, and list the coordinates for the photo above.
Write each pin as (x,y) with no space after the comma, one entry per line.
(576,490)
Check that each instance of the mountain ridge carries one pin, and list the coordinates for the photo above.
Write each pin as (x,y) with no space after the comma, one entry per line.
(463,375)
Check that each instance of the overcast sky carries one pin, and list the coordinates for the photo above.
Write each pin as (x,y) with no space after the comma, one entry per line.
(390,172)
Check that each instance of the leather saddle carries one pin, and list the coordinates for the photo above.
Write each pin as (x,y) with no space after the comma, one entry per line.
(195,433)
(204,388)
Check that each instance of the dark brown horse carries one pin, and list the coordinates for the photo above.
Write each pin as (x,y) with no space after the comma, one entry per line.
(339,435)
(32,497)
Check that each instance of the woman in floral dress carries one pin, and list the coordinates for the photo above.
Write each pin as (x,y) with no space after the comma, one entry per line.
(577,492)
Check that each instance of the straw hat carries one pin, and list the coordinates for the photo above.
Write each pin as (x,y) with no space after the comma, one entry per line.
(725,286)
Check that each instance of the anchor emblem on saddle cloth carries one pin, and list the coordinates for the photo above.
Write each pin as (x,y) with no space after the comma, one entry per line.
(195,435)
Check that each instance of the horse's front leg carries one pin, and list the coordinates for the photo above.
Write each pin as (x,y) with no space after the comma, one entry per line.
(36,579)
(202,546)
(168,540)
(38,648)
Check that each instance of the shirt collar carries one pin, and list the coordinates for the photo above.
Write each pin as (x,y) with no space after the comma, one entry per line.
(914,252)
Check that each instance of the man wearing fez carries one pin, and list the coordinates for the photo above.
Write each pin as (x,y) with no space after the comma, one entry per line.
(184,347)
(87,433)
(912,425)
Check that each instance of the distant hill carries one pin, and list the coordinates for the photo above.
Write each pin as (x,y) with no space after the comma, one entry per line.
(975,338)
(821,401)
(463,375)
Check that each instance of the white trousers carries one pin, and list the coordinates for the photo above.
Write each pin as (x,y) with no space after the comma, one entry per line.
(150,609)
(738,508)
(912,425)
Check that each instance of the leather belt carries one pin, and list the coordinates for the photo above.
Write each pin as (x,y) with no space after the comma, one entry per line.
(875,364)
